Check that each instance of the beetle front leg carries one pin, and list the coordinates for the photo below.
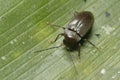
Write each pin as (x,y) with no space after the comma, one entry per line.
(61,34)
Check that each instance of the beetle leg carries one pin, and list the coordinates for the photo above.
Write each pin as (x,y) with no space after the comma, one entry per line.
(89,42)
(73,63)
(79,45)
(61,34)
(48,48)
(92,44)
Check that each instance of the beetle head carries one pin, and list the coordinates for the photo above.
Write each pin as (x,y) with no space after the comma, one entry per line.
(71,39)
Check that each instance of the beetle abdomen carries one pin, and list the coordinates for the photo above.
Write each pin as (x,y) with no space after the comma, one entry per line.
(82,22)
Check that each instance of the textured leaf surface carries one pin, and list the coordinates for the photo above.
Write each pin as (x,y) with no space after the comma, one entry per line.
(24,29)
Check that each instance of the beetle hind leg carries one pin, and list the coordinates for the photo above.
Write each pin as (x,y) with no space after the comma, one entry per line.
(92,44)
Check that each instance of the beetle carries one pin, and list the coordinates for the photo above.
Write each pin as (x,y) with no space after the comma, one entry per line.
(76,31)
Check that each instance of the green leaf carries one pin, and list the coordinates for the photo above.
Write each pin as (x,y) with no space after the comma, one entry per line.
(24,30)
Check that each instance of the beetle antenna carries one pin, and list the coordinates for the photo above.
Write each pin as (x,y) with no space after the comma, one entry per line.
(48,48)
(73,63)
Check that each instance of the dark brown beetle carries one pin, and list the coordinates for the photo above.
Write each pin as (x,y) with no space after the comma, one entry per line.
(76,30)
